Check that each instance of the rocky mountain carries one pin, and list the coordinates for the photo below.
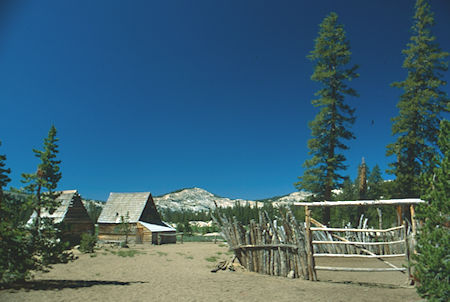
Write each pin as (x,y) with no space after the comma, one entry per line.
(197,199)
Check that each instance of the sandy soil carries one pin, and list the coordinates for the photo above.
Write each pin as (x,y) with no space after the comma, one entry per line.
(181,272)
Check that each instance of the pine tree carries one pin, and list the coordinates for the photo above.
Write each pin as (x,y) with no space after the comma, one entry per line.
(433,238)
(363,170)
(420,106)
(375,183)
(41,187)
(4,178)
(15,258)
(330,127)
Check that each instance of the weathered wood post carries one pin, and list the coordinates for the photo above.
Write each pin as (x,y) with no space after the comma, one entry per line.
(407,253)
(413,227)
(309,246)
(399,215)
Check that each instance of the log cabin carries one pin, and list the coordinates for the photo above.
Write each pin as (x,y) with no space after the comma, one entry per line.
(71,215)
(138,210)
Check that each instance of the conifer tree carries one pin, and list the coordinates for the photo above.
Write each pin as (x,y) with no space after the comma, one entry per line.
(16,260)
(4,178)
(41,187)
(375,183)
(420,106)
(433,238)
(330,128)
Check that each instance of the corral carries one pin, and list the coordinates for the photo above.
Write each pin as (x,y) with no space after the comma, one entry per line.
(285,247)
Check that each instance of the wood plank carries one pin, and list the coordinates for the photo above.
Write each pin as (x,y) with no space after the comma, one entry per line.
(358,242)
(326,229)
(407,201)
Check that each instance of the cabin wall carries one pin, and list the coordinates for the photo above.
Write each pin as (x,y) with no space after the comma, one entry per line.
(72,231)
(76,221)
(111,231)
(167,239)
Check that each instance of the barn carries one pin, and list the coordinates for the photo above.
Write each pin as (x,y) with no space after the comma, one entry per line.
(143,220)
(71,215)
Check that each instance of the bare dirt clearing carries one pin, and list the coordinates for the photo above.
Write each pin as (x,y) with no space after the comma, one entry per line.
(181,272)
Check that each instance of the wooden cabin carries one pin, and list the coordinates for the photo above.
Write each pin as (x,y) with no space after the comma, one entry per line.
(144,220)
(71,215)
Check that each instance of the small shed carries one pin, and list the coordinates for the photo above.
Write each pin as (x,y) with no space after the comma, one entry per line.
(71,215)
(144,220)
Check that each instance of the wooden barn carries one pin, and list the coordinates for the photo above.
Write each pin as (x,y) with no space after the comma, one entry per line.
(144,220)
(72,216)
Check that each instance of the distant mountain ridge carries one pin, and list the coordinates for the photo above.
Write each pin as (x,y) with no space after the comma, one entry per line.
(197,199)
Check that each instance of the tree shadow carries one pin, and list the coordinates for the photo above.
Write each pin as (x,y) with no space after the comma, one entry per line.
(62,284)
(369,284)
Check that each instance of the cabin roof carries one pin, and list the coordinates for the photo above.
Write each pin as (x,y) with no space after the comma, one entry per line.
(119,204)
(58,215)
(157,228)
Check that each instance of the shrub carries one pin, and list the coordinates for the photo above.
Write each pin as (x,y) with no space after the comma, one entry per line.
(87,243)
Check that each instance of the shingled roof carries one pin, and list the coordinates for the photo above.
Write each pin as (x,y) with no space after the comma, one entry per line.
(67,199)
(139,206)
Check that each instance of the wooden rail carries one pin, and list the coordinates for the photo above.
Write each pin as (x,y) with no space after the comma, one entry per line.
(311,255)
(359,243)
(325,229)
(263,246)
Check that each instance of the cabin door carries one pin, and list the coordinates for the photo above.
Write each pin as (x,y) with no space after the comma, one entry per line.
(139,235)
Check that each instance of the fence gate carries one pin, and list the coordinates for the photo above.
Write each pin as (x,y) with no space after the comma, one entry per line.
(363,246)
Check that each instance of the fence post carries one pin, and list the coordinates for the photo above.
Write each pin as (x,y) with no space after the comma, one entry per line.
(309,246)
(408,264)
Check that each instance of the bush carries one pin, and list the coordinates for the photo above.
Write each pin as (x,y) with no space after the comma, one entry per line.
(87,243)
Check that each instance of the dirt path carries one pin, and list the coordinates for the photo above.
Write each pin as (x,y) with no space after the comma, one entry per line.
(181,272)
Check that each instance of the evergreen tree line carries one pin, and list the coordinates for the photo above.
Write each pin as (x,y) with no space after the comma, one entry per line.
(30,244)
(420,147)
(415,129)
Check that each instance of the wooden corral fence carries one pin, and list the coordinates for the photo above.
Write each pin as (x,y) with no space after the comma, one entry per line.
(268,247)
(363,245)
(284,247)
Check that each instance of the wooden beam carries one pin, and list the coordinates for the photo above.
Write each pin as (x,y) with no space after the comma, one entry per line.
(262,246)
(359,269)
(408,201)
(326,229)
(408,260)
(360,247)
(358,243)
(310,248)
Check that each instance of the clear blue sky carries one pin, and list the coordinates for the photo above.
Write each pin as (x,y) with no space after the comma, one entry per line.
(161,95)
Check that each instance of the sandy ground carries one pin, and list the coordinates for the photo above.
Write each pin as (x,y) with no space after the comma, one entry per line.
(181,272)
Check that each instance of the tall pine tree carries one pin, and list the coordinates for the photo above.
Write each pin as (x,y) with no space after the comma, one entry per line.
(420,106)
(41,186)
(330,128)
(433,238)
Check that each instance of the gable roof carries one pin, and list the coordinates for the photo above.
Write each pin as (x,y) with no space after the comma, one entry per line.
(135,204)
(67,199)
(157,228)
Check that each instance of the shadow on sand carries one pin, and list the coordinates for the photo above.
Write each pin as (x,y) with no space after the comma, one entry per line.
(61,284)
(370,284)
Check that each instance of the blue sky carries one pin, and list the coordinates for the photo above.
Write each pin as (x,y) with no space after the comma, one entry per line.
(161,95)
